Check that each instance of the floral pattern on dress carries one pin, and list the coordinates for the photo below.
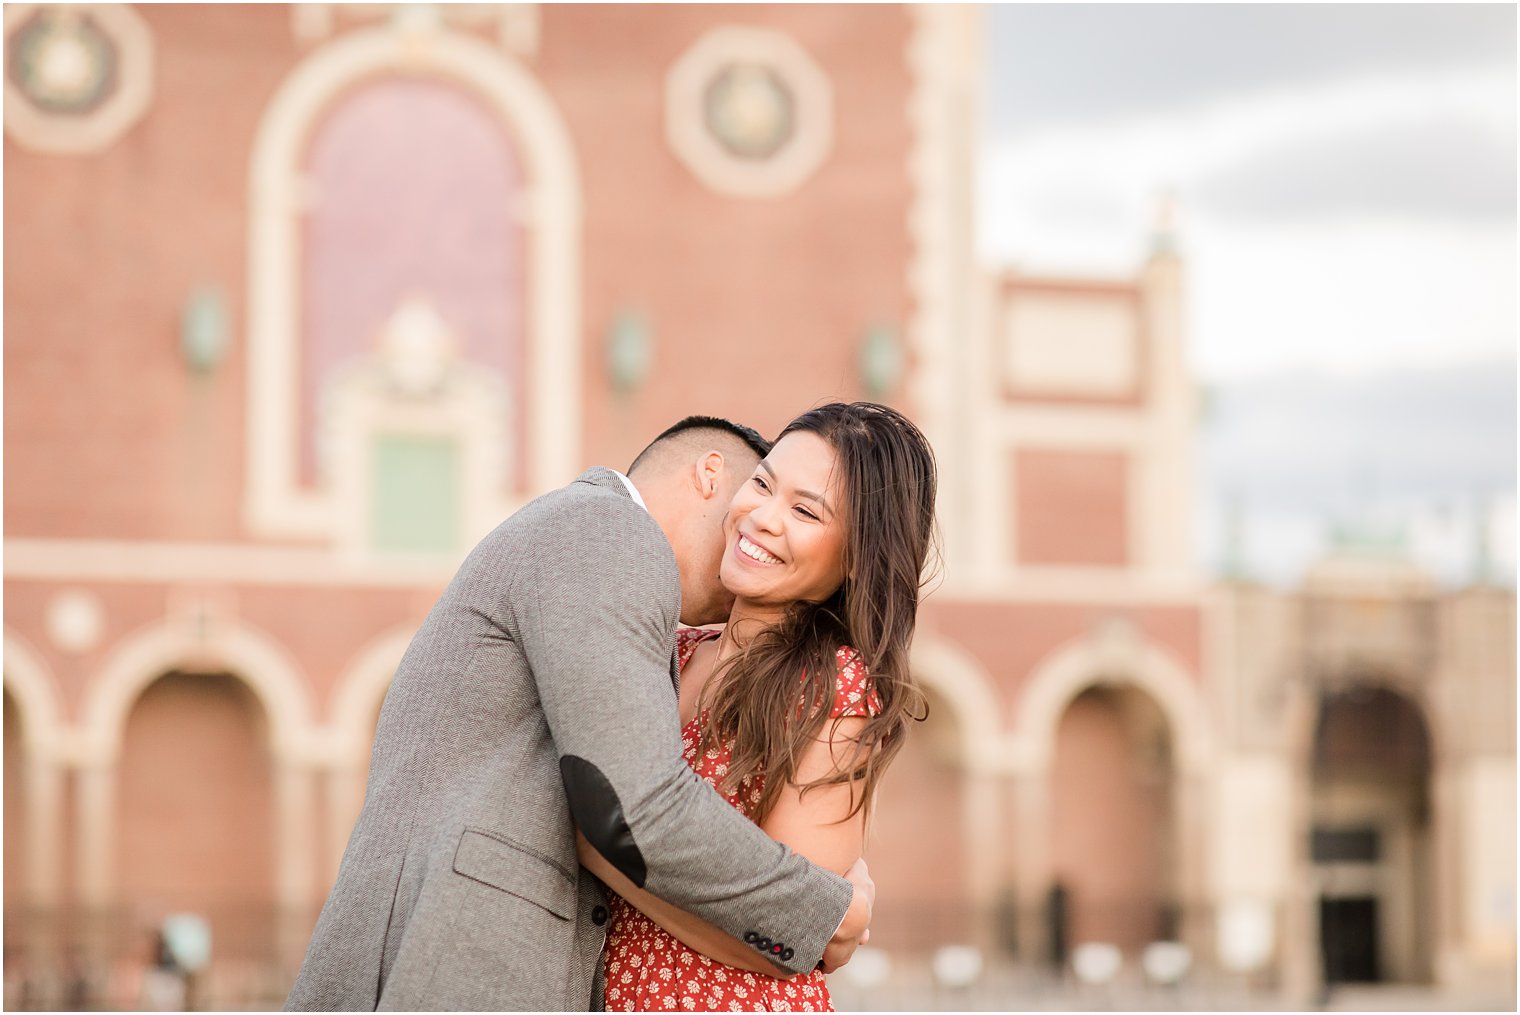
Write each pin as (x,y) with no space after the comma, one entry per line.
(646,968)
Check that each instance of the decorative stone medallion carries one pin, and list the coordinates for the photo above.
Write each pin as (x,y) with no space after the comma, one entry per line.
(749,112)
(75,620)
(77,77)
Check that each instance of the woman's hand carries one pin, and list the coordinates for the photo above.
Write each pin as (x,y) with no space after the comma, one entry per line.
(853,930)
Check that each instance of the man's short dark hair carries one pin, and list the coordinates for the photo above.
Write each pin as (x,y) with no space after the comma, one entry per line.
(751,438)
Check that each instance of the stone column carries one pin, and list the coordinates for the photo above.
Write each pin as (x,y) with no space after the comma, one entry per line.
(981,821)
(296,851)
(95,854)
(1302,975)
(95,831)
(1189,863)
(345,799)
(1032,877)
(44,832)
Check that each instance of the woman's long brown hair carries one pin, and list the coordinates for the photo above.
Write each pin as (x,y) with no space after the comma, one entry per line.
(773,699)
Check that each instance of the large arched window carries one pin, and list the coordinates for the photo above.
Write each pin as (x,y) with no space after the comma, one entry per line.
(412,310)
(413,299)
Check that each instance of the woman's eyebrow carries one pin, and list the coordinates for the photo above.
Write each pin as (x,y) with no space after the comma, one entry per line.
(809,494)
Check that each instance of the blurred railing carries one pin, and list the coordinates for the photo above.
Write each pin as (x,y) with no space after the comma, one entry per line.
(107,960)
(948,955)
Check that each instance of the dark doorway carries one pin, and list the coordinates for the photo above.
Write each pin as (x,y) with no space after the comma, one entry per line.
(1349,940)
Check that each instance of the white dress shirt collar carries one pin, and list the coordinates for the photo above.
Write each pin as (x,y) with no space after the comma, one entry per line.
(633,491)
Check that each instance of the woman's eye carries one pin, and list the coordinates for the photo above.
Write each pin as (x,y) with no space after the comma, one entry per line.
(804,512)
(761,483)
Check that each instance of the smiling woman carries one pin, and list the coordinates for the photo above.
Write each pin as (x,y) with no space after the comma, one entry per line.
(840,517)
(794,712)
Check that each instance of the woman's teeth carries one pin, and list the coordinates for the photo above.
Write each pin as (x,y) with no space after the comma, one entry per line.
(757,553)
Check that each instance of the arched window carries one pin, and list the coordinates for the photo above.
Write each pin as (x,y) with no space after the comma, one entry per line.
(413,301)
(411,352)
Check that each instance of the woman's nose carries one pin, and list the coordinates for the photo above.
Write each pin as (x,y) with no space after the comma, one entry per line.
(766,515)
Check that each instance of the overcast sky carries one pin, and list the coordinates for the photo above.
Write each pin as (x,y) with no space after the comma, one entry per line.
(1345,175)
(1345,181)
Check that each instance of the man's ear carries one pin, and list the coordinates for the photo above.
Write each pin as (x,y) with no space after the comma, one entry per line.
(709,474)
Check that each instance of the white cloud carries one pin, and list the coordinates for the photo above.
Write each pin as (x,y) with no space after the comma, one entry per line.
(1321,290)
(1344,296)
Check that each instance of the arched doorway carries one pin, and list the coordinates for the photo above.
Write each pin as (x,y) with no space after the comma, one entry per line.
(1370,840)
(917,847)
(195,821)
(1113,825)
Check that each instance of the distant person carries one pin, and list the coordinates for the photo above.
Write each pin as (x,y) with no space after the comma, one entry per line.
(795,709)
(541,686)
(164,986)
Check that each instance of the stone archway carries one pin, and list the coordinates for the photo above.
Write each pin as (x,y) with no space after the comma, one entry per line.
(1371,838)
(1113,825)
(1115,656)
(196,644)
(195,823)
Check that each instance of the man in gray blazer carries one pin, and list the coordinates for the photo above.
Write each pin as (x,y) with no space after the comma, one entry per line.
(542,685)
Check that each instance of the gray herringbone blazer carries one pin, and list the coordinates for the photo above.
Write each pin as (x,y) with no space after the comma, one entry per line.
(541,682)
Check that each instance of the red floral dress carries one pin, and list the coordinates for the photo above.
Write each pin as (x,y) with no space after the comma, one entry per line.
(647,969)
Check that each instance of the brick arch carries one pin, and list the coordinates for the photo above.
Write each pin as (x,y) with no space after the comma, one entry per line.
(961,682)
(360,691)
(34,691)
(1112,658)
(250,655)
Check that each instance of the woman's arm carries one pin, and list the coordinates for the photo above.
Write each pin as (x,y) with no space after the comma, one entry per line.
(691,931)
(818,824)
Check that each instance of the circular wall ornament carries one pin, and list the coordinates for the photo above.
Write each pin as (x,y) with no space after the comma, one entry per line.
(77,77)
(75,620)
(748,111)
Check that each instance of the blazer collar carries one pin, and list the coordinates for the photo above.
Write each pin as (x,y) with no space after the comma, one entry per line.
(605,478)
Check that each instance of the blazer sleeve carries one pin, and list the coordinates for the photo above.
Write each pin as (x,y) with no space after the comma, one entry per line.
(595,609)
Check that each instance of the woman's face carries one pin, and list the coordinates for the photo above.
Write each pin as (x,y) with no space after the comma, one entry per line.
(786,526)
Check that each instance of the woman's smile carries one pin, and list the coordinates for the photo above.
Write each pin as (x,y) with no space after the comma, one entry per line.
(754,551)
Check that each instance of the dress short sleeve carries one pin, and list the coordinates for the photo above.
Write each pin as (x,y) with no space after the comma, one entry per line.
(687,640)
(854,694)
